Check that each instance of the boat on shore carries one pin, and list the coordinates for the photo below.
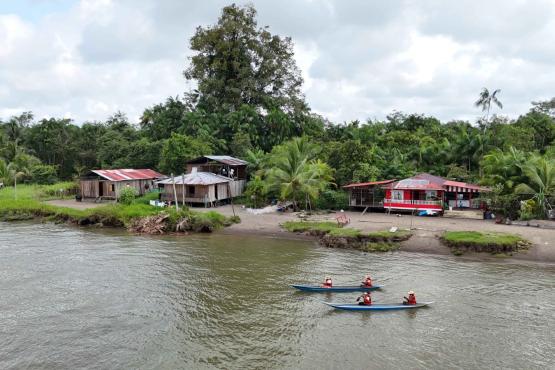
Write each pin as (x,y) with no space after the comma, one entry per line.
(336,289)
(377,306)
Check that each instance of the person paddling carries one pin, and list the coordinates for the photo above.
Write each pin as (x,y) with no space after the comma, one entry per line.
(327,283)
(367,282)
(366,299)
(410,300)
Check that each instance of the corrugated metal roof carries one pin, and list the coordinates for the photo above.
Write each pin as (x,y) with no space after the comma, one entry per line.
(416,184)
(128,174)
(197,178)
(425,181)
(225,159)
(360,184)
(465,185)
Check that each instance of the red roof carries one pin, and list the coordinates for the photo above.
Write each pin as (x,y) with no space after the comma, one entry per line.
(128,174)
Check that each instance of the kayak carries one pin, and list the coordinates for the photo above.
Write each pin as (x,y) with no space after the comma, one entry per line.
(376,307)
(336,289)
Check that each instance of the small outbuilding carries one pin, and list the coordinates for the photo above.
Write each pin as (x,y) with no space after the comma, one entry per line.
(106,184)
(367,195)
(232,168)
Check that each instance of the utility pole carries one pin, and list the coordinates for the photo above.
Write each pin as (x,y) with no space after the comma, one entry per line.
(174,193)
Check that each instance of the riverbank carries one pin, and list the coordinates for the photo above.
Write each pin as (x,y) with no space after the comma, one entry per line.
(426,230)
(34,202)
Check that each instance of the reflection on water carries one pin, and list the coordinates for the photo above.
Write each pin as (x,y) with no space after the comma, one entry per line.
(76,298)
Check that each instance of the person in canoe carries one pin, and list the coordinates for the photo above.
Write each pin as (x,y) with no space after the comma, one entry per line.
(410,300)
(327,283)
(367,283)
(365,299)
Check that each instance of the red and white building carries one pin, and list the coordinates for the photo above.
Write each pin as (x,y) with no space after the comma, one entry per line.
(420,192)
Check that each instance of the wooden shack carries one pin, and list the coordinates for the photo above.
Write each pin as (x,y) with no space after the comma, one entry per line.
(367,195)
(106,184)
(202,188)
(234,169)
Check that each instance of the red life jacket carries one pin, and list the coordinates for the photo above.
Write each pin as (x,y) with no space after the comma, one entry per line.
(412,299)
(368,282)
(367,299)
(328,283)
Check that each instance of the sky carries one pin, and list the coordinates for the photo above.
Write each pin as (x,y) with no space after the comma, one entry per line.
(360,59)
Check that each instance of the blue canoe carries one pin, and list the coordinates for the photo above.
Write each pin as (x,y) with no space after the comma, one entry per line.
(376,307)
(336,289)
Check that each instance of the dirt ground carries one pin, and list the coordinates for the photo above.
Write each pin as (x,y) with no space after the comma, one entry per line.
(426,229)
(71,203)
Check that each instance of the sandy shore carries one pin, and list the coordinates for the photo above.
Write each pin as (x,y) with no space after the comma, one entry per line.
(426,230)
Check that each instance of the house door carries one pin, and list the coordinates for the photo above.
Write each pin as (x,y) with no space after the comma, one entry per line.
(100,189)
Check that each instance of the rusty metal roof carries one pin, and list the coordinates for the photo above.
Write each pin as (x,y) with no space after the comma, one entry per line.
(425,181)
(225,159)
(196,178)
(361,184)
(126,174)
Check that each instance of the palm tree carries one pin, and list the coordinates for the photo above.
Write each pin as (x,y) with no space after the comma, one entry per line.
(10,173)
(485,100)
(540,173)
(504,168)
(295,175)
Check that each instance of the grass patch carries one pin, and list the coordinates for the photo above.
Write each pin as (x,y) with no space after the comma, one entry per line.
(308,226)
(478,238)
(496,243)
(145,199)
(344,232)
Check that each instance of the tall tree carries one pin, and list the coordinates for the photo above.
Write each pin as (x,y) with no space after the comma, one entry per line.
(485,100)
(178,149)
(237,62)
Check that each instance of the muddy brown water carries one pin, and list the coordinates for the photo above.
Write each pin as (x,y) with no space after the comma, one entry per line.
(84,298)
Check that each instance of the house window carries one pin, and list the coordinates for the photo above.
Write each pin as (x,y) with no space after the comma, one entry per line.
(191,190)
(397,194)
(112,187)
(431,194)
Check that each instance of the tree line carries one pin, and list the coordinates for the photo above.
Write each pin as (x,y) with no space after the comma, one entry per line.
(248,103)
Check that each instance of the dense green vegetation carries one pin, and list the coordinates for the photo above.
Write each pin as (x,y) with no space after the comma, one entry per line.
(248,103)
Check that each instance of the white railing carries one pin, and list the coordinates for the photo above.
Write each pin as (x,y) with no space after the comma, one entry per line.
(414,202)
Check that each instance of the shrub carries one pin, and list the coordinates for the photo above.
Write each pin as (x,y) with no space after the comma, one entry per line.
(127,195)
(332,199)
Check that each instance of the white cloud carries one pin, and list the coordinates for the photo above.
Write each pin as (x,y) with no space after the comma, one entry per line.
(359,59)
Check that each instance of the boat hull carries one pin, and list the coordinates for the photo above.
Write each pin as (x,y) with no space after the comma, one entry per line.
(377,307)
(335,289)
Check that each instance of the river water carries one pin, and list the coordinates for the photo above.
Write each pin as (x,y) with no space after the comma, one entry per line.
(83,298)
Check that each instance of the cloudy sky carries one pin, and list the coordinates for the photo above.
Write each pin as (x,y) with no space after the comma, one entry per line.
(86,59)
